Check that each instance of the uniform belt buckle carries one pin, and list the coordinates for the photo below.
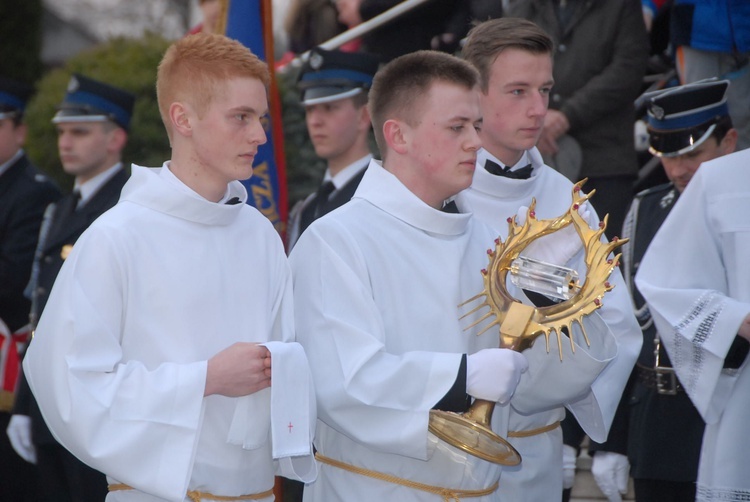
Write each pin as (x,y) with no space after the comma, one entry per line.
(666,381)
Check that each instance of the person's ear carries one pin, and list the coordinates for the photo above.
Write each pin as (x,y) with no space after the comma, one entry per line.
(117,139)
(395,133)
(364,118)
(180,117)
(729,142)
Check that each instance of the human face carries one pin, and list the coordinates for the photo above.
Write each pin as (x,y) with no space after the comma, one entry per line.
(87,148)
(515,103)
(337,130)
(680,169)
(443,142)
(11,139)
(226,137)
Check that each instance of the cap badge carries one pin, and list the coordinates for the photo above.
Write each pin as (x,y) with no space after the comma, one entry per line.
(73,85)
(657,111)
(316,61)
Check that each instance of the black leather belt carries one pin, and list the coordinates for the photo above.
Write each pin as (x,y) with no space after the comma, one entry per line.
(663,379)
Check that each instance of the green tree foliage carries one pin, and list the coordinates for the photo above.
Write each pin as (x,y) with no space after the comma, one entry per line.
(21,39)
(126,63)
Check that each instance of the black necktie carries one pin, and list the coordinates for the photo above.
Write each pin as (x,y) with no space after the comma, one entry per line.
(321,198)
(523,173)
(317,206)
(66,207)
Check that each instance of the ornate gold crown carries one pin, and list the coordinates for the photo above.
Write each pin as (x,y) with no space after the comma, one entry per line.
(509,312)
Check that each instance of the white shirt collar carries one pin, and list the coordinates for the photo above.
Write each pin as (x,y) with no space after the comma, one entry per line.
(11,161)
(384,190)
(89,188)
(347,173)
(483,155)
(168,176)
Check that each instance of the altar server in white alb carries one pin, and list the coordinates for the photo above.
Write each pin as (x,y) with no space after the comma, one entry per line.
(514,59)
(377,284)
(695,277)
(159,359)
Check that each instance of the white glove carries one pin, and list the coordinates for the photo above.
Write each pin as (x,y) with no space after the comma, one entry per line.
(569,455)
(493,374)
(611,471)
(559,247)
(19,433)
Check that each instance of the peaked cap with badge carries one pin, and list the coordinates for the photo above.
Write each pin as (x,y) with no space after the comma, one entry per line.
(13,97)
(682,118)
(333,75)
(88,100)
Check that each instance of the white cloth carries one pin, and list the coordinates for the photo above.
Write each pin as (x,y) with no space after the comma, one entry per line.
(695,277)
(377,284)
(118,362)
(590,382)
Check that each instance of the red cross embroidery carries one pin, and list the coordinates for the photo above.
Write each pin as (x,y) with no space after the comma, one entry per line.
(290,427)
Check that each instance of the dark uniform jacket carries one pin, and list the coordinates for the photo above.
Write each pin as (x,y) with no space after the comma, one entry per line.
(303,213)
(665,431)
(63,232)
(24,194)
(599,65)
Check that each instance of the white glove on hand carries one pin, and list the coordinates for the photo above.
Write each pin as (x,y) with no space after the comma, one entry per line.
(569,455)
(559,247)
(19,433)
(493,374)
(611,471)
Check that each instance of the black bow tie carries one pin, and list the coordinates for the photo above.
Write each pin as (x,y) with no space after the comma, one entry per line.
(523,173)
(233,201)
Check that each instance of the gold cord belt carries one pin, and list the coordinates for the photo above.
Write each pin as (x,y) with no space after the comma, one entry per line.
(534,432)
(197,496)
(6,400)
(448,494)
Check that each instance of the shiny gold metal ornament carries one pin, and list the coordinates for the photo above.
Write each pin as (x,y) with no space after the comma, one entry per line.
(66,249)
(521,324)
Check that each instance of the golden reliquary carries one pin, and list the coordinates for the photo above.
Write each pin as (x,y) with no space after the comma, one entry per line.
(519,324)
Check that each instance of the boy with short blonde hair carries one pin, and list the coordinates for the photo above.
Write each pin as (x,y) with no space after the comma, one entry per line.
(161,327)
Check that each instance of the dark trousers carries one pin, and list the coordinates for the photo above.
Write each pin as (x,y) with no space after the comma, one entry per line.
(18,478)
(292,490)
(566,494)
(64,478)
(655,490)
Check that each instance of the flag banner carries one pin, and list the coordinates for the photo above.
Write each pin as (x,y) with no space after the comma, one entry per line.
(250,23)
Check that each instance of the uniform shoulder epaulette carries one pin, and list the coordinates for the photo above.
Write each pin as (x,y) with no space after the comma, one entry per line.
(658,189)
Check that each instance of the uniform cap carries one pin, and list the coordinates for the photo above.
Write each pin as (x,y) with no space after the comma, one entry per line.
(682,118)
(13,97)
(88,100)
(333,75)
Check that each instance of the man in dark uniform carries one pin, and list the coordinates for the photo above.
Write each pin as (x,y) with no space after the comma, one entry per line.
(92,126)
(662,431)
(24,193)
(334,87)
